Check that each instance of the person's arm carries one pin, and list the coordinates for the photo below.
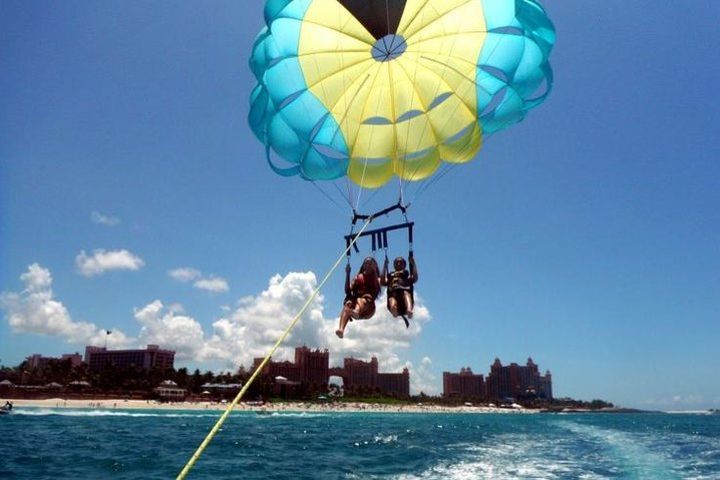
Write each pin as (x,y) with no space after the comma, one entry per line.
(414,276)
(348,287)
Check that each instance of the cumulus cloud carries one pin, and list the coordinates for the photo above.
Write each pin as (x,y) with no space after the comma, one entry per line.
(102,261)
(184,274)
(171,329)
(35,310)
(243,332)
(211,283)
(424,380)
(258,321)
(105,220)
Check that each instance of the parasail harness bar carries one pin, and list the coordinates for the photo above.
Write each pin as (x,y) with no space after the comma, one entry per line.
(379,235)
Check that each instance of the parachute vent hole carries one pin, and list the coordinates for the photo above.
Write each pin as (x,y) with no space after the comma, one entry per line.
(508,30)
(496,72)
(497,99)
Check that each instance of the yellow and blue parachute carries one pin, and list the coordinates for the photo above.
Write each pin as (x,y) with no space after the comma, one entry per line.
(376,89)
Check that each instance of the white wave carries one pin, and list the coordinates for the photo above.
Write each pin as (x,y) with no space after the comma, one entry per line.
(633,453)
(506,456)
(385,438)
(294,415)
(500,469)
(39,412)
(689,412)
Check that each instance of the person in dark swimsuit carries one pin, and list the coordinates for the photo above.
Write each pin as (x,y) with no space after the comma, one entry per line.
(400,287)
(360,294)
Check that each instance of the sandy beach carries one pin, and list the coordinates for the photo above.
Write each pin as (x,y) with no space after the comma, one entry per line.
(122,404)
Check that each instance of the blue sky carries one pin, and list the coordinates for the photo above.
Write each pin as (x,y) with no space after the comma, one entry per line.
(586,237)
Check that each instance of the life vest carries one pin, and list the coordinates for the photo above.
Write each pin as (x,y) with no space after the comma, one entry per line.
(399,280)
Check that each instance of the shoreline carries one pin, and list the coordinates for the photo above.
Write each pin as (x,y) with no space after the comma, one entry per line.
(295,407)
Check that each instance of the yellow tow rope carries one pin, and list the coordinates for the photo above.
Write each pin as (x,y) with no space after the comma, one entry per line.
(186,469)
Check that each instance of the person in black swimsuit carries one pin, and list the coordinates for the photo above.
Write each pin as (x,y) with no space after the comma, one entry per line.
(400,287)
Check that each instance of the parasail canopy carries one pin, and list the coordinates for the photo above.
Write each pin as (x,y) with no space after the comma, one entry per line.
(376,89)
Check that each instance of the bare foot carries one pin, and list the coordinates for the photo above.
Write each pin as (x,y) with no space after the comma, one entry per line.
(339,333)
(410,314)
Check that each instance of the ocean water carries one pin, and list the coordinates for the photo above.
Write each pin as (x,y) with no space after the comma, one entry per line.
(117,444)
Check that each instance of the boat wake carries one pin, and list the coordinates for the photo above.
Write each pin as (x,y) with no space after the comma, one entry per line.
(632,453)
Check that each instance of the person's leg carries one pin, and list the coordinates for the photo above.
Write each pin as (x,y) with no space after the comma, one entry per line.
(393,306)
(360,306)
(365,308)
(409,304)
(344,319)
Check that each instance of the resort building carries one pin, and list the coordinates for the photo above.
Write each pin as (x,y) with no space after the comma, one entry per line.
(153,357)
(465,384)
(358,374)
(38,361)
(311,367)
(311,371)
(515,381)
(168,391)
(362,376)
(397,384)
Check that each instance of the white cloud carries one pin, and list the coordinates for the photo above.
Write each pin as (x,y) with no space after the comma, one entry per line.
(212,284)
(690,399)
(252,329)
(35,310)
(256,324)
(106,220)
(677,402)
(37,279)
(424,380)
(184,274)
(169,328)
(244,332)
(102,261)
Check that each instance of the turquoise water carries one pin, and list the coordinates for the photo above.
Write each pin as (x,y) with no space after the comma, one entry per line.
(75,444)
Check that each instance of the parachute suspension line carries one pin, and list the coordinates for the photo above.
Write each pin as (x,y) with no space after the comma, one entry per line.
(372,132)
(340,123)
(372,195)
(361,189)
(216,428)
(342,194)
(423,188)
(427,122)
(438,177)
(326,195)
(403,181)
